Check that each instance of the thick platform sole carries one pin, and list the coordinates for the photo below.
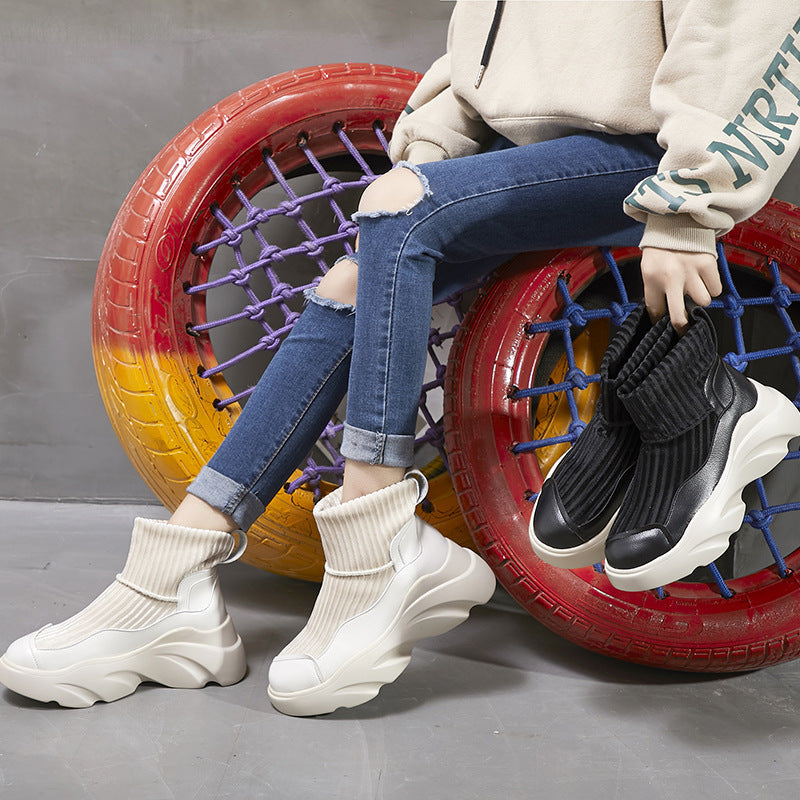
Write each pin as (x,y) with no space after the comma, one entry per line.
(185,658)
(759,443)
(435,603)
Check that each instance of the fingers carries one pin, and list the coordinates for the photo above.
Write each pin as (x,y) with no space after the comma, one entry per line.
(670,275)
(654,301)
(699,292)
(677,308)
(709,272)
(654,283)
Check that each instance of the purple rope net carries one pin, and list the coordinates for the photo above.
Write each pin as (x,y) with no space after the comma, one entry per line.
(275,266)
(733,305)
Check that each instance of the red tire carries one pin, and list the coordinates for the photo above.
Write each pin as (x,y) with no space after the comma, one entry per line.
(692,627)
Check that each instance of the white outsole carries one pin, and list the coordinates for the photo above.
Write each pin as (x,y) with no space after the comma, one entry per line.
(184,659)
(758,444)
(432,608)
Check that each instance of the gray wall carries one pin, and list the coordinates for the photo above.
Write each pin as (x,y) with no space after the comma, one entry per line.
(90,90)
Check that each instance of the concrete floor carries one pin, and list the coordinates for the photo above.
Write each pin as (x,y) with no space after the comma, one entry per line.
(498,708)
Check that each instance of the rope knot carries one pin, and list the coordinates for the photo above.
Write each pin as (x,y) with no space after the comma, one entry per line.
(760,519)
(314,248)
(271,253)
(577,377)
(259,215)
(736,361)
(291,208)
(618,313)
(240,277)
(575,314)
(348,228)
(269,342)
(254,313)
(576,428)
(734,308)
(284,291)
(781,295)
(232,237)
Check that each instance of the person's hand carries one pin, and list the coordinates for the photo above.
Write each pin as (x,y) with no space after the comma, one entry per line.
(669,275)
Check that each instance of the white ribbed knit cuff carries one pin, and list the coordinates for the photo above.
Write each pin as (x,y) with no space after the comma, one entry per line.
(678,232)
(161,555)
(356,535)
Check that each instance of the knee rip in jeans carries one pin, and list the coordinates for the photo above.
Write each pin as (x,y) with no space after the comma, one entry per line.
(394,193)
(312,296)
(337,289)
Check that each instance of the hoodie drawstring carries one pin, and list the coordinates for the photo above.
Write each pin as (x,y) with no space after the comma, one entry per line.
(487,49)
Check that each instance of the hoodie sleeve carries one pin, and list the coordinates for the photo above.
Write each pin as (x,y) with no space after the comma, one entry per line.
(727,99)
(435,124)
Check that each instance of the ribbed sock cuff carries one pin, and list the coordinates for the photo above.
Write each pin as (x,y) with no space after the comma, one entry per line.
(648,353)
(356,535)
(669,397)
(619,351)
(162,554)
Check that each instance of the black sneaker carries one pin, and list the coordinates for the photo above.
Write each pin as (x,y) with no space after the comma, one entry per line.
(707,431)
(583,491)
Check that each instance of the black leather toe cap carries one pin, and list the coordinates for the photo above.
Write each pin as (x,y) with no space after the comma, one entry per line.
(550,522)
(636,548)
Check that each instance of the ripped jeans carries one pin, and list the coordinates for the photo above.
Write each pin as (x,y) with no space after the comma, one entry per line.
(475,213)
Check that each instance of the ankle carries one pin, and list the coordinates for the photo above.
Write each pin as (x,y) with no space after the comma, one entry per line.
(361,479)
(196,513)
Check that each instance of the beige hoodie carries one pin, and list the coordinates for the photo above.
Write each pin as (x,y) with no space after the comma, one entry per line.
(719,80)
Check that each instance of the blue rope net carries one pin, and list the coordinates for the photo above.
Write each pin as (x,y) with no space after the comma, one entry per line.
(762,515)
(276,255)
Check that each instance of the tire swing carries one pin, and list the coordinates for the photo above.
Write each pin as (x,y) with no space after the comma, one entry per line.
(741,612)
(202,276)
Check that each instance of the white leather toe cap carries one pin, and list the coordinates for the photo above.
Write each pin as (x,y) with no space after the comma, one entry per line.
(293,674)
(21,652)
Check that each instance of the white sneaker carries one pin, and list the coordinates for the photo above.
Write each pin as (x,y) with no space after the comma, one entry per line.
(434,585)
(192,646)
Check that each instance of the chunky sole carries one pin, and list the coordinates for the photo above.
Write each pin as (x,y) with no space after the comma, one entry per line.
(185,658)
(435,603)
(759,443)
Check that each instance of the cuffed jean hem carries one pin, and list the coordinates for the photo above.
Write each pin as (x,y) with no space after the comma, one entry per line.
(227,496)
(386,449)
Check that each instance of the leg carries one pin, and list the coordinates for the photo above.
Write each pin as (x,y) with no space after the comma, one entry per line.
(289,408)
(380,558)
(362,629)
(395,191)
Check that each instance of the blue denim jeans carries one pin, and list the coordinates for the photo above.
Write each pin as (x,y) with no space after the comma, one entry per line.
(474,213)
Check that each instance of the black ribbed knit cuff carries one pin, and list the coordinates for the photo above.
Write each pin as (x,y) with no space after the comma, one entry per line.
(619,350)
(650,351)
(669,397)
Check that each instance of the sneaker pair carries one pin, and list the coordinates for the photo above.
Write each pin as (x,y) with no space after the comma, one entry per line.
(164,620)
(653,484)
